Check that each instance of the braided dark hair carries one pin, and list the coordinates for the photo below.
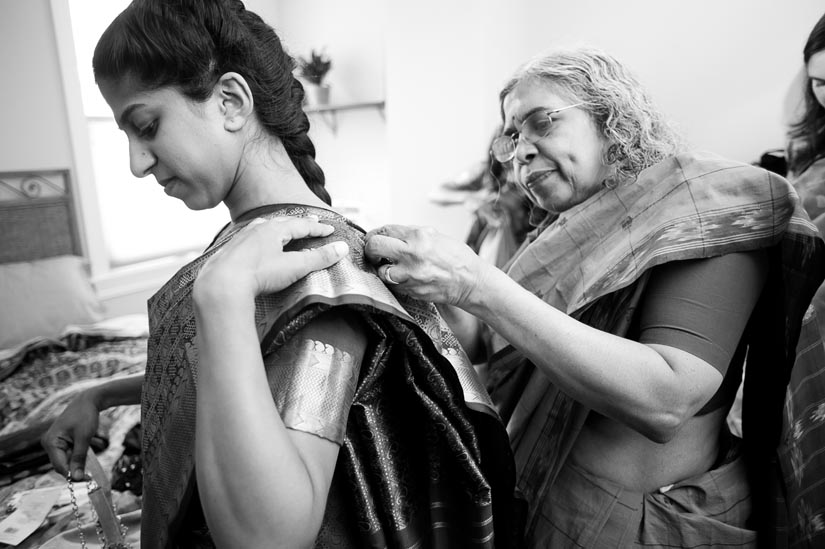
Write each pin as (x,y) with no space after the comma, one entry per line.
(189,44)
(809,131)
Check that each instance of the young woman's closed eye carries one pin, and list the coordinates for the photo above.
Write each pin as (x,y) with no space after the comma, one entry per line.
(148,131)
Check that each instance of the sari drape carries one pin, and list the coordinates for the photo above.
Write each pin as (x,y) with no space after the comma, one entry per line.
(425,461)
(592,263)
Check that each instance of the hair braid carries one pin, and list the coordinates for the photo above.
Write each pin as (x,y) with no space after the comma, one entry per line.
(301,149)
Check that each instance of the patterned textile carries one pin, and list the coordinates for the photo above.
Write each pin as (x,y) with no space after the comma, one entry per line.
(803,431)
(801,453)
(602,514)
(425,460)
(810,185)
(592,263)
(40,380)
(312,384)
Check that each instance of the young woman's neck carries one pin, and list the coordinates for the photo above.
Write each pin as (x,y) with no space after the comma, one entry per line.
(266,176)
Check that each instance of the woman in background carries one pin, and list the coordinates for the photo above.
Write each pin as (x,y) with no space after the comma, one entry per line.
(806,147)
(806,143)
(624,320)
(278,411)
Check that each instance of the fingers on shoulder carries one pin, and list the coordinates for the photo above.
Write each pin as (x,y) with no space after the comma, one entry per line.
(291,266)
(390,246)
(400,232)
(286,229)
(324,256)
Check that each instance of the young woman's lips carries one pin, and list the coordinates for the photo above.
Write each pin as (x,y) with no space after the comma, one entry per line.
(169,184)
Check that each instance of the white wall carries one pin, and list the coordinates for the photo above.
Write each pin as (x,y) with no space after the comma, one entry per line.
(34,132)
(351,145)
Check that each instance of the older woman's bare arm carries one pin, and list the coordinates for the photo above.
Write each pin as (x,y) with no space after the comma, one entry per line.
(651,388)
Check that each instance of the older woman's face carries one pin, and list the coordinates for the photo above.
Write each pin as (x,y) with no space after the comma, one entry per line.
(564,168)
(816,75)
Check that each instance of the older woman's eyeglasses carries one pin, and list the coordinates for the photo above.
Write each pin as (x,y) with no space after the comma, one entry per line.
(535,127)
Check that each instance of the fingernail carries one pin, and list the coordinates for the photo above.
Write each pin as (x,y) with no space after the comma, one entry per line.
(340,248)
(78,474)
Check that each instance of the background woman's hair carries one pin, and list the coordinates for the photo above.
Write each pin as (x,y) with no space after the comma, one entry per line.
(807,135)
(639,135)
(189,44)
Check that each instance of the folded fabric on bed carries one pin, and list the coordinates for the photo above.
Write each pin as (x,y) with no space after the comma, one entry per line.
(39,382)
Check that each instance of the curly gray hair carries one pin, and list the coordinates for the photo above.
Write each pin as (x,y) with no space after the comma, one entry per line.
(638,134)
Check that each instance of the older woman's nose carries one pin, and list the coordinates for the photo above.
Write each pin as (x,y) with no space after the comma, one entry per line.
(141,159)
(525,151)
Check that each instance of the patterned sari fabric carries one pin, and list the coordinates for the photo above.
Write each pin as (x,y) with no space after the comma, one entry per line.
(810,185)
(592,263)
(425,461)
(803,430)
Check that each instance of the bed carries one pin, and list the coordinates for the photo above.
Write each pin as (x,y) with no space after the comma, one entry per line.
(55,341)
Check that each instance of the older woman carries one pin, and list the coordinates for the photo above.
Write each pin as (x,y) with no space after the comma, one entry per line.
(626,317)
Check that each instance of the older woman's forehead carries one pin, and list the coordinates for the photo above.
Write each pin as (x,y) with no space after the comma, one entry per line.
(530,95)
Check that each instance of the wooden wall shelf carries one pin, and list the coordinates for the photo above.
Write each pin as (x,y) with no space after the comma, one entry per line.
(329,112)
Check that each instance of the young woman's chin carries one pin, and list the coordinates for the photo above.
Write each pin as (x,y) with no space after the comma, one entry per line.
(195,203)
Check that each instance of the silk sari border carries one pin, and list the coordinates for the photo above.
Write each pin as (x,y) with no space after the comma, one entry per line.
(605,243)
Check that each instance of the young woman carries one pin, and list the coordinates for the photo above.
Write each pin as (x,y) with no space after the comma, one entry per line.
(279,411)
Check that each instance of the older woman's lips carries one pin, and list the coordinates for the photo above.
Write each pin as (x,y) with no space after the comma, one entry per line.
(535,178)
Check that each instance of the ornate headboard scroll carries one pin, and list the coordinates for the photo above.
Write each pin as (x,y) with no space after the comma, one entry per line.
(37,218)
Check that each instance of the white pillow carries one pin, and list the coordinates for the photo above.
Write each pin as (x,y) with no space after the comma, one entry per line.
(41,298)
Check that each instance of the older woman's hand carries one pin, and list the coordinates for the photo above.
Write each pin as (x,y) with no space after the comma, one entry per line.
(423,263)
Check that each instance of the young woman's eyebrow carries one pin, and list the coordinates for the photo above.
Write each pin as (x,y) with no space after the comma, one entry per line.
(124,117)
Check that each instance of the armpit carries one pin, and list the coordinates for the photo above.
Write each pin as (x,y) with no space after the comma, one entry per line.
(313,384)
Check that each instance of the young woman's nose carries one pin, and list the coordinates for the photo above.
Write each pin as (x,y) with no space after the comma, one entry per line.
(141,159)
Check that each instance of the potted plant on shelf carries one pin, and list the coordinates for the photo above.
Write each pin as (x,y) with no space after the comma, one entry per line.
(314,69)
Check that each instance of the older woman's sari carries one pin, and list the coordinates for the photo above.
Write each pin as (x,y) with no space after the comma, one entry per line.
(425,461)
(592,263)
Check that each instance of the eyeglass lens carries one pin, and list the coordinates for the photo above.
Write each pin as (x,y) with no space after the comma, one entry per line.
(535,127)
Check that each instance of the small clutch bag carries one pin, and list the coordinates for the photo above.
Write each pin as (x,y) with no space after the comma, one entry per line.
(110,530)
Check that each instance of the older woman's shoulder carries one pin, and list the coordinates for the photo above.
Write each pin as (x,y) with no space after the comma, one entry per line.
(700,161)
(700,165)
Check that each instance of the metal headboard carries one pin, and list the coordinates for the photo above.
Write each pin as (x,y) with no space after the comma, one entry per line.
(37,218)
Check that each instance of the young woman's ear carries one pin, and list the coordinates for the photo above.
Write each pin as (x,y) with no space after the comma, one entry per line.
(236,102)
